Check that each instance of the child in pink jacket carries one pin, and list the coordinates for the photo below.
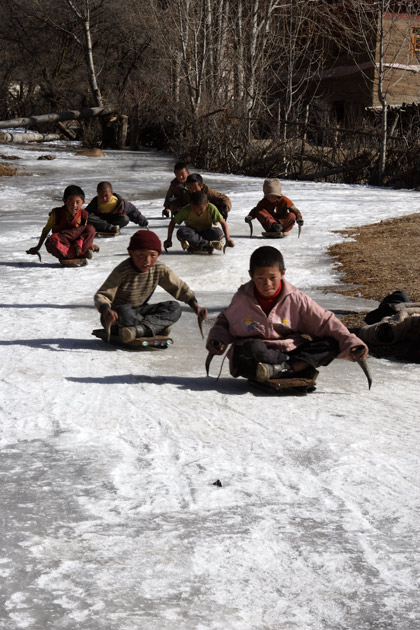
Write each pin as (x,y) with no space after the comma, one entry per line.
(266,321)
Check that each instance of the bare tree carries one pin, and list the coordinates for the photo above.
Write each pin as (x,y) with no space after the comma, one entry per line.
(383,46)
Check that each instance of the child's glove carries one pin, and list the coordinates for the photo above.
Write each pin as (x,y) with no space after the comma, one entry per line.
(299,221)
(248,219)
(214,346)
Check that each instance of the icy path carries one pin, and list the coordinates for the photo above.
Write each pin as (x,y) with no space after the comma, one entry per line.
(109,515)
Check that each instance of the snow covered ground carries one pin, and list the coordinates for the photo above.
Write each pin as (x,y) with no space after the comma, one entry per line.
(109,515)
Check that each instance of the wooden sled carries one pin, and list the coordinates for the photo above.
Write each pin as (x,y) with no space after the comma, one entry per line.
(201,251)
(158,342)
(73,262)
(107,234)
(296,385)
(274,234)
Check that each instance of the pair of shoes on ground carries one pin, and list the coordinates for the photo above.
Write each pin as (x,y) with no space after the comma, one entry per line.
(267,371)
(130,333)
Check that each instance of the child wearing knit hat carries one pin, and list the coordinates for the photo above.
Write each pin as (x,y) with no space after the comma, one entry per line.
(275,211)
(123,299)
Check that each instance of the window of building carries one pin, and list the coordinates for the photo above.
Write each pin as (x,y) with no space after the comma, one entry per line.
(415,40)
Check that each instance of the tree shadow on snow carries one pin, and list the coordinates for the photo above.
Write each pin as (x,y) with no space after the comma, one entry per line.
(60,306)
(21,265)
(188,383)
(61,344)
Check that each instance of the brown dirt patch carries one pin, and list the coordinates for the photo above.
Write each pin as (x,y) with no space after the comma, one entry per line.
(5,169)
(383,258)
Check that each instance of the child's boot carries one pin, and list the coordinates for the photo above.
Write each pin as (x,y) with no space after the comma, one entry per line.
(276,227)
(129,333)
(267,371)
(216,245)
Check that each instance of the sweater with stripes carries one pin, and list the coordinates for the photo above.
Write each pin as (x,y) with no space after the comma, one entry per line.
(127,285)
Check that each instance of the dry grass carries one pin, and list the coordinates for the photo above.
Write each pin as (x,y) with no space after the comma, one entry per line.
(383,258)
(5,169)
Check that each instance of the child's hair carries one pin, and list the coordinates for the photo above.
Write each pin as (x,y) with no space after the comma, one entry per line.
(179,166)
(103,186)
(198,198)
(194,178)
(266,257)
(73,190)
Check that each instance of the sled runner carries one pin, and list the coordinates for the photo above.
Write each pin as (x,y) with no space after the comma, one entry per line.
(207,249)
(73,262)
(274,234)
(107,234)
(158,342)
(297,385)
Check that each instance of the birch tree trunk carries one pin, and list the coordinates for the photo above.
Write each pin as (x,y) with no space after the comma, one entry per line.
(84,18)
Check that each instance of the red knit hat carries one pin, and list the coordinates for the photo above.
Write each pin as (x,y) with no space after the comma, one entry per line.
(144,239)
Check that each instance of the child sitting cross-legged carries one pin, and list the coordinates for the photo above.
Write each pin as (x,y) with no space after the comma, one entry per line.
(265,324)
(71,236)
(109,212)
(200,230)
(123,299)
(276,212)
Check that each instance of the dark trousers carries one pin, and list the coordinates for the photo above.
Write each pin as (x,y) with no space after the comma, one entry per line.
(198,239)
(154,316)
(247,356)
(103,222)
(62,244)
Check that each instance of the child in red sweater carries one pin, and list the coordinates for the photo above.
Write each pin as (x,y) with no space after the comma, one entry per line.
(275,212)
(71,236)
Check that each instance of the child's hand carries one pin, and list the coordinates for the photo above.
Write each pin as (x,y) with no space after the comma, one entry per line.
(214,346)
(356,352)
(229,243)
(201,313)
(109,317)
(248,219)
(167,244)
(33,251)
(299,221)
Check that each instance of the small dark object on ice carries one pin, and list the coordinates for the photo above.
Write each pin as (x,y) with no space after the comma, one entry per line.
(73,262)
(159,342)
(46,157)
(217,483)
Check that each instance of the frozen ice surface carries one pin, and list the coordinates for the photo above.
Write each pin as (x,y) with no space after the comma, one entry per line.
(109,515)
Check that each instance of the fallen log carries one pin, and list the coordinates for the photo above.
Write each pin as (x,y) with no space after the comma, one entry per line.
(21,138)
(76,114)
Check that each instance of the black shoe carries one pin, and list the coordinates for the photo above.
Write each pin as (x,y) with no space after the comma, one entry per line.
(276,227)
